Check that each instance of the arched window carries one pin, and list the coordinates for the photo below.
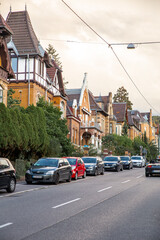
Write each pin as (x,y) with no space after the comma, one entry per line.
(1,94)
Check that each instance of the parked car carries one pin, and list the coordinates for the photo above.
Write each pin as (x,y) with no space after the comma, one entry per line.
(138,161)
(152,168)
(94,165)
(127,162)
(49,170)
(78,167)
(113,163)
(7,175)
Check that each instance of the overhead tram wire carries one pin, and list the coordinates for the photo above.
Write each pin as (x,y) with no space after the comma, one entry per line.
(110,46)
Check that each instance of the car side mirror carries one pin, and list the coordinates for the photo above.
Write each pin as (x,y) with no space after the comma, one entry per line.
(60,165)
(31,164)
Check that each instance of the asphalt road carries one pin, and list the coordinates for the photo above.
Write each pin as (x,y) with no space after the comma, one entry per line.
(123,205)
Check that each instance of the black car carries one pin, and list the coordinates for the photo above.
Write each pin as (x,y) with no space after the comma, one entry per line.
(7,175)
(152,168)
(113,163)
(94,165)
(49,170)
(127,162)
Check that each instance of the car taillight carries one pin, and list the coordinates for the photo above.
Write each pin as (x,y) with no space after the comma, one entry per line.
(149,166)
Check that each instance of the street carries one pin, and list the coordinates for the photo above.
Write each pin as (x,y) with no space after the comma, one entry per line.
(123,205)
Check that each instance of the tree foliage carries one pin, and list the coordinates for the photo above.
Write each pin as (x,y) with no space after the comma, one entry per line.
(12,102)
(53,54)
(56,129)
(122,96)
(120,144)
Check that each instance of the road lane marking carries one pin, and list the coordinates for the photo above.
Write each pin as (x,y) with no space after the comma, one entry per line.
(60,205)
(139,176)
(104,189)
(126,181)
(5,225)
(29,190)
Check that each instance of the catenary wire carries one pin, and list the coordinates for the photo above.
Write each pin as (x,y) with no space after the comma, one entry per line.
(109,45)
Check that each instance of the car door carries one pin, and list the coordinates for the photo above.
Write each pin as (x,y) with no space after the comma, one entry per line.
(4,172)
(67,169)
(79,167)
(61,170)
(99,165)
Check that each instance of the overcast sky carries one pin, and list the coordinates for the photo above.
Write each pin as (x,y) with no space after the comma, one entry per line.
(117,21)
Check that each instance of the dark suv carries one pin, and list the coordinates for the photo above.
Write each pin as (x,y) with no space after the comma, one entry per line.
(94,165)
(7,175)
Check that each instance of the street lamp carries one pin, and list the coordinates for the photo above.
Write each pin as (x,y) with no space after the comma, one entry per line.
(131,46)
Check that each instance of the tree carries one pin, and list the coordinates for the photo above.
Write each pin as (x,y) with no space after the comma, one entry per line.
(57,130)
(12,102)
(122,96)
(53,54)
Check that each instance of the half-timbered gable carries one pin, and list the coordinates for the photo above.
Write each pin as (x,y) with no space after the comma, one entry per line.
(29,60)
(5,65)
(55,88)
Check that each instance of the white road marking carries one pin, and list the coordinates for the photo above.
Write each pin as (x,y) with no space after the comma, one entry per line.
(29,190)
(126,181)
(139,176)
(104,189)
(5,225)
(60,205)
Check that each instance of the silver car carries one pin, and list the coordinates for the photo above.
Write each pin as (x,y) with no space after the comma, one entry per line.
(138,161)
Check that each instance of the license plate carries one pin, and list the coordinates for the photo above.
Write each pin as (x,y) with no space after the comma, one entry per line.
(37,176)
(156,171)
(107,166)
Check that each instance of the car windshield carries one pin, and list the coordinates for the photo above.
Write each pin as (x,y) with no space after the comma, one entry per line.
(72,161)
(49,162)
(136,158)
(110,159)
(89,160)
(124,158)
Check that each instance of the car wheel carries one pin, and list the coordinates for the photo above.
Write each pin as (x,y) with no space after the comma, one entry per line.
(56,181)
(28,182)
(69,177)
(76,176)
(147,174)
(84,175)
(95,172)
(11,186)
(102,173)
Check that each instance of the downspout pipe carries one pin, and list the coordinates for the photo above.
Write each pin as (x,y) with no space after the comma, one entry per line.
(28,79)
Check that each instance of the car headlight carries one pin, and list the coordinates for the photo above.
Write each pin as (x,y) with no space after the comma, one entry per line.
(114,164)
(73,167)
(50,172)
(28,171)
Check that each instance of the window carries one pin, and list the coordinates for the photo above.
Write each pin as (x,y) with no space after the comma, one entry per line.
(62,108)
(1,94)
(110,128)
(3,164)
(14,64)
